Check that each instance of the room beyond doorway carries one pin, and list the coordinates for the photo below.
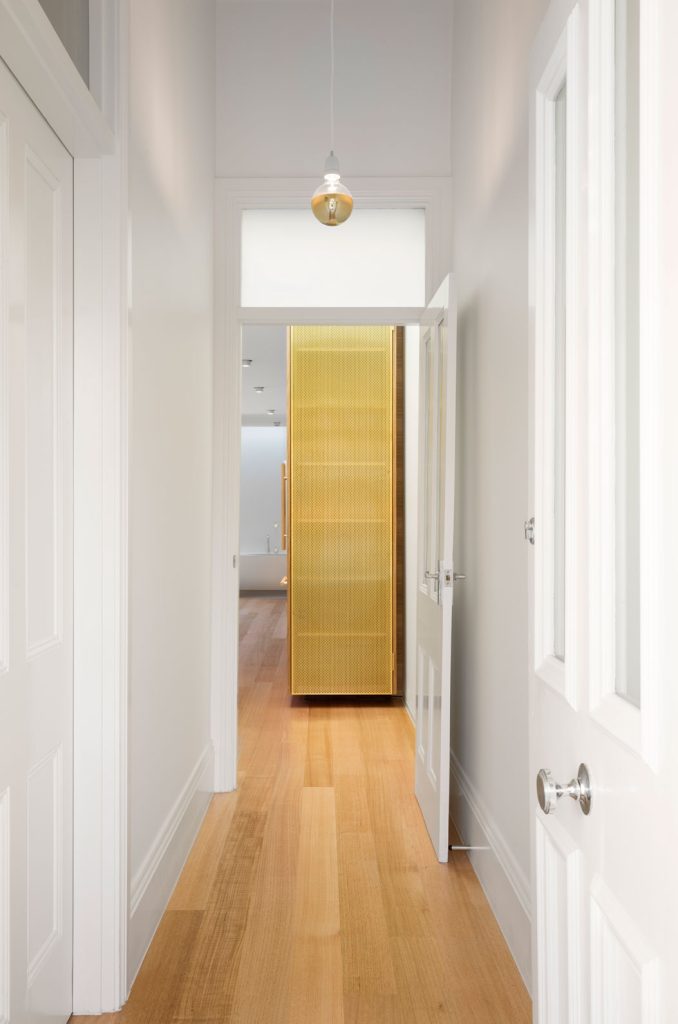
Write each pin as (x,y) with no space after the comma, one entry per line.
(324,440)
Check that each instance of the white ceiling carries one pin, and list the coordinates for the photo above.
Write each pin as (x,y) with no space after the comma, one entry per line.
(393,87)
(266,346)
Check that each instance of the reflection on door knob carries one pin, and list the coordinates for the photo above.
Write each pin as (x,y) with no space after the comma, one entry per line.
(549,791)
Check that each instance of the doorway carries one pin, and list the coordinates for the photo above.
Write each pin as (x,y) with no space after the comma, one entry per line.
(263,558)
(336,505)
(248,296)
(322,506)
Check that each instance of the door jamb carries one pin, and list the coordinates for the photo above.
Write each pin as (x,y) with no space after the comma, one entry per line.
(92,125)
(232,196)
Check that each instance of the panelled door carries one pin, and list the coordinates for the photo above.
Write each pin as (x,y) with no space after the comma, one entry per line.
(603,709)
(435,575)
(36,512)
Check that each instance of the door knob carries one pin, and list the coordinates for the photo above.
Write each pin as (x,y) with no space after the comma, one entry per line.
(549,791)
(458,576)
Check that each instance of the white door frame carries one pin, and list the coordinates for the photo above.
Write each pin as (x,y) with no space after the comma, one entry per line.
(93,128)
(232,196)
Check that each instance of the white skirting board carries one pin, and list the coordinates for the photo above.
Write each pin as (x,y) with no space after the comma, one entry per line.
(153,883)
(504,883)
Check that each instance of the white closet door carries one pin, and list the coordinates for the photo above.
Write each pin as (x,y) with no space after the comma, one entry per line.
(36,511)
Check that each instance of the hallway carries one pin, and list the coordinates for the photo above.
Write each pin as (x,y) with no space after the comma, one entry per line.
(312,895)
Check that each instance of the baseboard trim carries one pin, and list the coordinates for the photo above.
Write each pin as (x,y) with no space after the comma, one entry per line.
(272,592)
(504,882)
(153,883)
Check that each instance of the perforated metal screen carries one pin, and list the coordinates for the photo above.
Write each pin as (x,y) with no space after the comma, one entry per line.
(341,543)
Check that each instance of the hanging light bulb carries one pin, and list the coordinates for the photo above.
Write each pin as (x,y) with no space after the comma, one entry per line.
(332,202)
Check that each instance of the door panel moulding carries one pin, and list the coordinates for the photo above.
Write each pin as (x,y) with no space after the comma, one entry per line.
(93,127)
(232,197)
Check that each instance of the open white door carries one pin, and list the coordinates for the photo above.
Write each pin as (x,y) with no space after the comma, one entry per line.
(36,565)
(437,403)
(603,561)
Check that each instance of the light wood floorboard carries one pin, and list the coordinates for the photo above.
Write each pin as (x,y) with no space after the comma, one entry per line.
(312,894)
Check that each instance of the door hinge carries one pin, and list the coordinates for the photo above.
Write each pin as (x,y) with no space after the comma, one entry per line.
(529,530)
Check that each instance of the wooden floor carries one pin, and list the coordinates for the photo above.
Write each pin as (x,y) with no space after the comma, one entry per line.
(312,895)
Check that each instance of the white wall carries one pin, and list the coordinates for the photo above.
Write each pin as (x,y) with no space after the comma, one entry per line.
(171,169)
(262,450)
(392,87)
(490,56)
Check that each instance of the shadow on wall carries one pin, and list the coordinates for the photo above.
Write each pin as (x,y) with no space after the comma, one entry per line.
(464,518)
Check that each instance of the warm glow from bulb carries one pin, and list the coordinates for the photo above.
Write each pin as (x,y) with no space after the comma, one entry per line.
(332,203)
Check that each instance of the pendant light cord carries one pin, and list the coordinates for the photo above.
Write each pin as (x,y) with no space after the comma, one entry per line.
(332,76)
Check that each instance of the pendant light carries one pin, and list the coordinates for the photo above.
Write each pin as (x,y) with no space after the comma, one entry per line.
(332,203)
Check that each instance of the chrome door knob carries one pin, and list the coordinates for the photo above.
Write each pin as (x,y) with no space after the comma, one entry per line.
(549,791)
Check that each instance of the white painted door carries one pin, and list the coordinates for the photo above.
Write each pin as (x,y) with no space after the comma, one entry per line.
(437,404)
(36,628)
(603,564)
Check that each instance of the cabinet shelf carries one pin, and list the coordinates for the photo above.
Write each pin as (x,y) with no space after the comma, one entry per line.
(356,633)
(342,522)
(329,581)
(332,349)
(352,465)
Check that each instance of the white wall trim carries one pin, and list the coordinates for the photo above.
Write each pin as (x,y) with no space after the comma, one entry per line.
(151,862)
(404,315)
(158,873)
(232,196)
(38,59)
(504,882)
(97,141)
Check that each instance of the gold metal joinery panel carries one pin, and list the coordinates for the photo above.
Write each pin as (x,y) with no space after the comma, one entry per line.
(341,517)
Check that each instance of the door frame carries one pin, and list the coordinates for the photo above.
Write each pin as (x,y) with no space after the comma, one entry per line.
(232,197)
(92,125)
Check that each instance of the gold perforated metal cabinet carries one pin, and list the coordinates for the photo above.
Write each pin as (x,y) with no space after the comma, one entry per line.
(341,549)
